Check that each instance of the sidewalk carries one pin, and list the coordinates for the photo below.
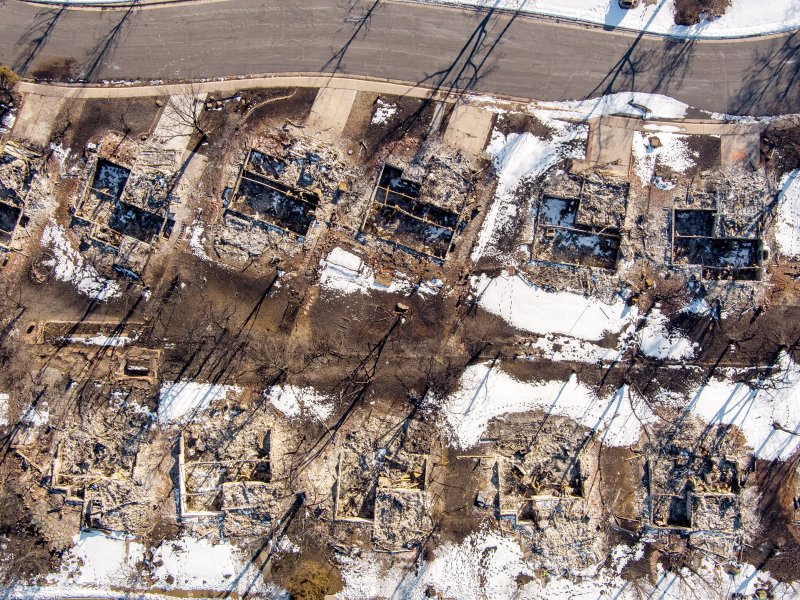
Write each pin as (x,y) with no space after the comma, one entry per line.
(143,89)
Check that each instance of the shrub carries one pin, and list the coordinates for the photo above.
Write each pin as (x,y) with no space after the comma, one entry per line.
(689,12)
(7,77)
(312,580)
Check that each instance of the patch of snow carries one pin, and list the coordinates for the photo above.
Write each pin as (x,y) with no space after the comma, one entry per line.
(197,241)
(632,104)
(756,409)
(60,153)
(663,184)
(287,546)
(673,153)
(486,392)
(116,341)
(656,341)
(36,415)
(290,400)
(787,232)
(531,308)
(698,306)
(4,398)
(431,287)
(179,401)
(561,348)
(70,266)
(383,112)
(520,156)
(7,123)
(100,559)
(742,18)
(660,127)
(190,563)
(345,272)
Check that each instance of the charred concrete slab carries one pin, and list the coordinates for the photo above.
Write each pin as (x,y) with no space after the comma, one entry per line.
(696,241)
(397,215)
(262,196)
(579,220)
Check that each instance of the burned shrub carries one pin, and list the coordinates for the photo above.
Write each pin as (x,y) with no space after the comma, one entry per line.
(691,12)
(780,145)
(312,580)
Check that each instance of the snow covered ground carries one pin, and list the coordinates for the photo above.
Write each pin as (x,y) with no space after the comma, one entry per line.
(787,232)
(531,308)
(767,412)
(179,401)
(101,563)
(656,341)
(487,564)
(743,17)
(487,392)
(343,272)
(70,266)
(631,104)
(292,401)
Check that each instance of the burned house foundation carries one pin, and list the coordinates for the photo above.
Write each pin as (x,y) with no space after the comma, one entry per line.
(579,220)
(399,215)
(15,177)
(386,492)
(695,242)
(700,494)
(264,195)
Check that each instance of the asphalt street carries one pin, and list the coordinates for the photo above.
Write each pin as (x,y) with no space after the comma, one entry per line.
(492,52)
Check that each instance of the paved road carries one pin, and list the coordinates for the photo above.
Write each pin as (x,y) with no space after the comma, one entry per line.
(489,52)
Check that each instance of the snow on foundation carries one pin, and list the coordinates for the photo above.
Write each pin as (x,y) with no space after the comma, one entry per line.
(742,18)
(189,563)
(70,267)
(787,232)
(531,308)
(116,341)
(100,559)
(486,392)
(292,400)
(755,409)
(179,401)
(521,156)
